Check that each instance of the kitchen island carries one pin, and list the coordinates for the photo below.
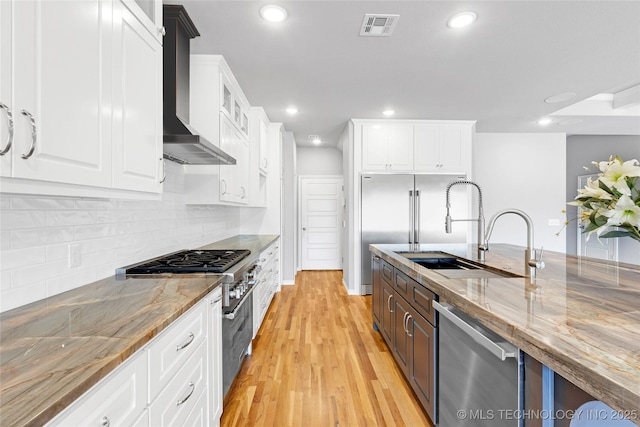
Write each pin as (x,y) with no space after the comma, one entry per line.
(579,316)
(54,350)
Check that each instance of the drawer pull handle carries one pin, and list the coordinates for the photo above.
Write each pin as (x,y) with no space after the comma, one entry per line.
(191,338)
(164,171)
(389,303)
(34,134)
(7,147)
(104,422)
(193,387)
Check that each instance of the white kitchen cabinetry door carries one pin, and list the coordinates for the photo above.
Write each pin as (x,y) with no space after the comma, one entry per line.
(119,399)
(227,144)
(443,148)
(241,176)
(266,284)
(149,13)
(264,146)
(137,100)
(170,351)
(62,91)
(6,88)
(214,340)
(183,393)
(387,147)
(234,179)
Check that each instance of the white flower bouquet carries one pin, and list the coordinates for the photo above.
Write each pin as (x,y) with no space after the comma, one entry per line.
(611,203)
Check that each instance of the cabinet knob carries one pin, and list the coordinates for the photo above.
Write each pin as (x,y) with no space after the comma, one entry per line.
(104,422)
(162,31)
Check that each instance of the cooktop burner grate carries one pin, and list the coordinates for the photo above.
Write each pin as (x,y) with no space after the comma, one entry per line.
(192,261)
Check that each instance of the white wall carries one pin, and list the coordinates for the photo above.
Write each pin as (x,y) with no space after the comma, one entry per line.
(581,151)
(319,161)
(36,232)
(289,209)
(526,172)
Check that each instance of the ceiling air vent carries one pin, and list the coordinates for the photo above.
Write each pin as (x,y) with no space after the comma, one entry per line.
(376,25)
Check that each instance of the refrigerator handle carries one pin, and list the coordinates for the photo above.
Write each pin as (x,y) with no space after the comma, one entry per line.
(416,216)
(411,216)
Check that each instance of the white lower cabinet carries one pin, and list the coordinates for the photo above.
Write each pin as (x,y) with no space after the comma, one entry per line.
(214,341)
(266,284)
(180,397)
(175,380)
(169,352)
(120,399)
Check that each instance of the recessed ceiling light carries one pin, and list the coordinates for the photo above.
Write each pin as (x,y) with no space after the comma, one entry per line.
(462,19)
(292,110)
(273,13)
(561,97)
(314,139)
(388,112)
(544,121)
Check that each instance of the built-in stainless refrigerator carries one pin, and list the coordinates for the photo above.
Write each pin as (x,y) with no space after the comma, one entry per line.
(408,209)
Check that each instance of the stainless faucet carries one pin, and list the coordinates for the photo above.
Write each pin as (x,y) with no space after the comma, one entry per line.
(480,220)
(530,253)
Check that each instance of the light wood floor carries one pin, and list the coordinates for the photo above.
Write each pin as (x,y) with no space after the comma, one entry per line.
(318,362)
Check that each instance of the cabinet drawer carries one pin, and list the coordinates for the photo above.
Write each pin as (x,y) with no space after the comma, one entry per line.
(403,283)
(181,395)
(387,273)
(119,399)
(174,346)
(421,298)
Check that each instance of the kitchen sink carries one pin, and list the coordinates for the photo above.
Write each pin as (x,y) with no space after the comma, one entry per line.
(453,267)
(438,261)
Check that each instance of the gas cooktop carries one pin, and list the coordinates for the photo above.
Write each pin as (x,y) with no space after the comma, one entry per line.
(189,261)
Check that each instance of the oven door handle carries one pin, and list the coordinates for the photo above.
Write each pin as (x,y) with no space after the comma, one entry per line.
(232,315)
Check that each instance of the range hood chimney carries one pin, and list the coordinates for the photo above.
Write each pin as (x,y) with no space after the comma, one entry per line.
(182,143)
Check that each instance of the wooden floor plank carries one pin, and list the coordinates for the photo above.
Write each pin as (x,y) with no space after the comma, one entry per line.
(317,361)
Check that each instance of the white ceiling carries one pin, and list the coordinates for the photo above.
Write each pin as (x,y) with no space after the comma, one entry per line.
(498,71)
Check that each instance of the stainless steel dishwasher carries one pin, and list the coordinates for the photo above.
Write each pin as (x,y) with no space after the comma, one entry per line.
(479,374)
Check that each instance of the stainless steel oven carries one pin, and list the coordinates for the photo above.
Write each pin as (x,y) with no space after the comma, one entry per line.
(238,269)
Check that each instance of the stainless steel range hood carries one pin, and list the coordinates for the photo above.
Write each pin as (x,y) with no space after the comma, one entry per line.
(182,143)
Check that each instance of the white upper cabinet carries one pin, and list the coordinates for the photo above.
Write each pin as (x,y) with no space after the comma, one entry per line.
(417,146)
(234,179)
(75,103)
(220,112)
(137,98)
(62,90)
(387,147)
(443,148)
(149,14)
(7,110)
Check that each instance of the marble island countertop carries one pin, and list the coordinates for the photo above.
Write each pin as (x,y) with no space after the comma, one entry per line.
(54,350)
(579,316)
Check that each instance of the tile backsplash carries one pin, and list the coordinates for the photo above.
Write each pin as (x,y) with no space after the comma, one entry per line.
(40,237)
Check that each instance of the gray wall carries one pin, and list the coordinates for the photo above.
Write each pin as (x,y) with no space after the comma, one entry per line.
(581,151)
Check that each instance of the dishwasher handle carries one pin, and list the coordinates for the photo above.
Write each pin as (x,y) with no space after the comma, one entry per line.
(502,351)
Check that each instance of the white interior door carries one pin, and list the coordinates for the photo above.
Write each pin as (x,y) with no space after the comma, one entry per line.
(594,247)
(321,204)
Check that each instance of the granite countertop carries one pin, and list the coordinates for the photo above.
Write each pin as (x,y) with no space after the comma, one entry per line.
(54,350)
(579,316)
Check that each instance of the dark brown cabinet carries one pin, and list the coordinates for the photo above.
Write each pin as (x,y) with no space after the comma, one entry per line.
(403,313)
(376,290)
